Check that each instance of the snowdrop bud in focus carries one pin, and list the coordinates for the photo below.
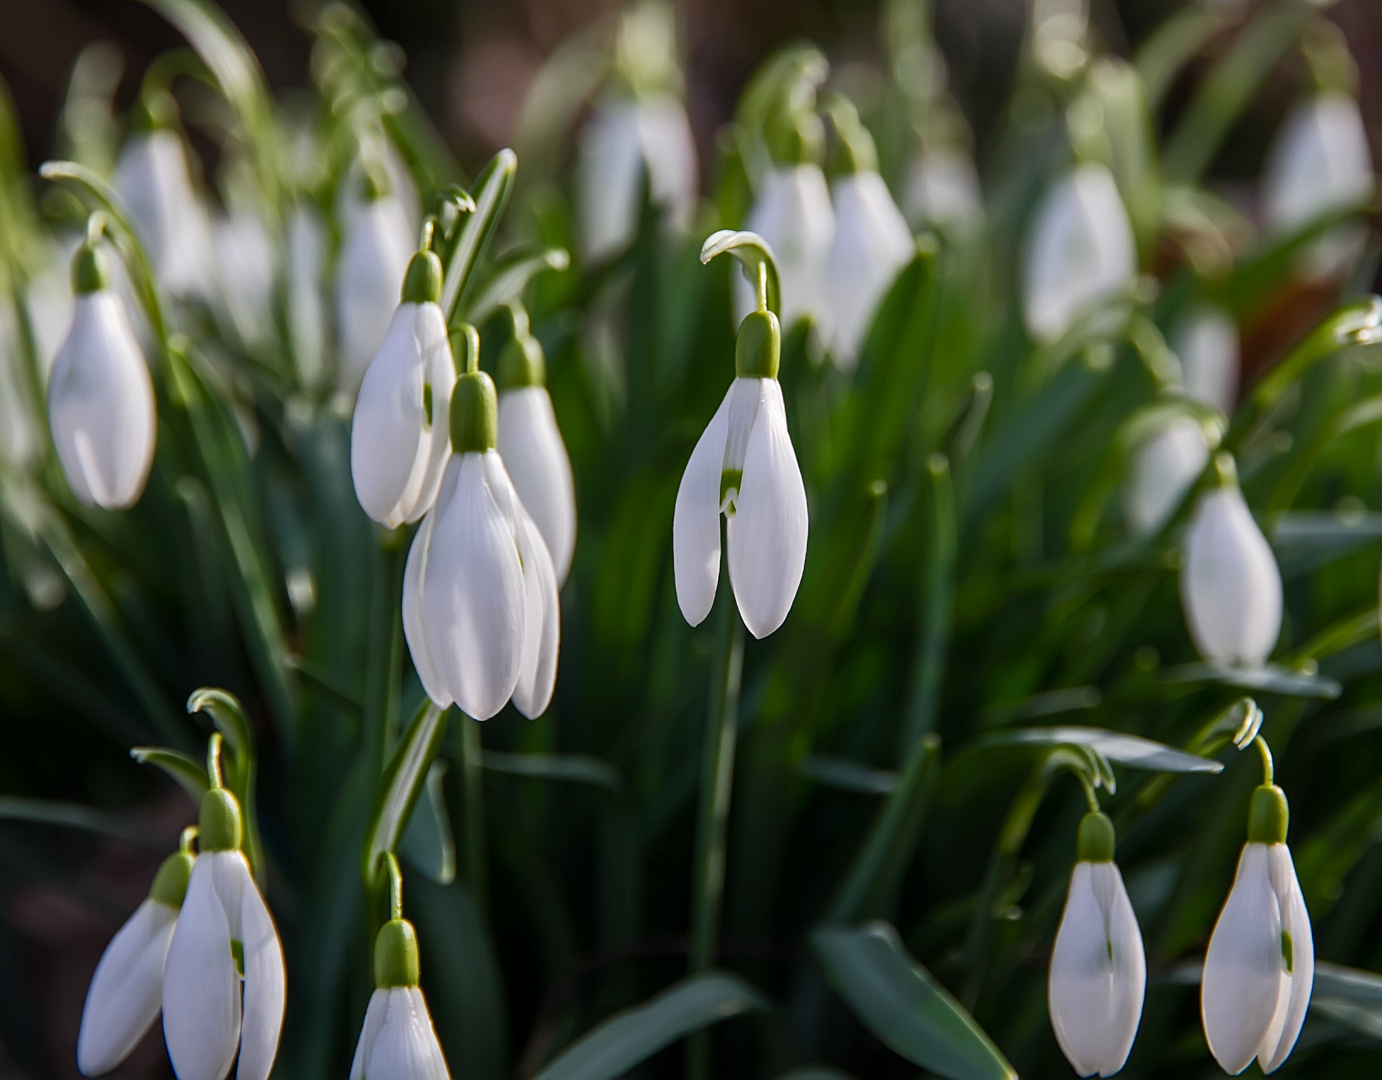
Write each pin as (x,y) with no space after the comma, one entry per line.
(398,1041)
(399,441)
(1319,163)
(224,984)
(531,445)
(1160,471)
(1098,973)
(1260,967)
(942,190)
(872,241)
(373,261)
(127,988)
(480,608)
(1207,344)
(1080,251)
(153,180)
(100,396)
(745,468)
(1230,586)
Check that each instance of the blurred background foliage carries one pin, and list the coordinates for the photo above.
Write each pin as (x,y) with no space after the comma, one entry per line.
(967,575)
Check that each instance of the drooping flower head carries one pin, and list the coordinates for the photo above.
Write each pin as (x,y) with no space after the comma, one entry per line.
(397,1041)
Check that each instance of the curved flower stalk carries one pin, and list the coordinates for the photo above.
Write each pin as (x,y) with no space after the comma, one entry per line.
(942,190)
(374,259)
(398,438)
(126,991)
(224,984)
(1160,471)
(1260,967)
(1098,973)
(531,445)
(745,468)
(1320,163)
(1206,341)
(100,396)
(480,608)
(1080,251)
(1230,585)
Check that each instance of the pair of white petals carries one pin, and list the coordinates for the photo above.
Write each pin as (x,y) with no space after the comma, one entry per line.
(480,607)
(1098,974)
(378,245)
(1260,967)
(1230,585)
(398,1041)
(767,527)
(1080,252)
(101,405)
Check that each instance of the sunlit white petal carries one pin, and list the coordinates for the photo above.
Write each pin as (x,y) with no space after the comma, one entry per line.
(535,456)
(265,982)
(153,181)
(369,275)
(696,520)
(414,574)
(201,988)
(1300,975)
(401,1043)
(872,244)
(793,212)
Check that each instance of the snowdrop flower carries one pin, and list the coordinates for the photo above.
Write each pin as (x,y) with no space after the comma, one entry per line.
(1230,586)
(744,467)
(942,190)
(224,983)
(153,180)
(124,999)
(1320,163)
(531,445)
(1098,969)
(1260,967)
(398,439)
(1080,251)
(1206,342)
(480,608)
(623,141)
(1161,470)
(373,261)
(100,396)
(398,1041)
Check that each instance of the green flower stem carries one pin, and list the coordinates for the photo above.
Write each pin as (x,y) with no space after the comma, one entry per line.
(384,674)
(938,582)
(472,771)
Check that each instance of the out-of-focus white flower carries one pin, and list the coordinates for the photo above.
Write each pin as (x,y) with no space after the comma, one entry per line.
(1260,967)
(1206,341)
(397,1041)
(1320,163)
(745,468)
(532,448)
(223,985)
(369,272)
(480,607)
(1098,973)
(1080,251)
(942,190)
(1230,585)
(245,270)
(793,213)
(399,440)
(1160,471)
(352,193)
(100,397)
(623,141)
(872,244)
(306,301)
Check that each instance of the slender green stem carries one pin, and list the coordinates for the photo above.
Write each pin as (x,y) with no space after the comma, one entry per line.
(928,666)
(187,838)
(1089,796)
(473,776)
(385,668)
(395,886)
(1268,768)
(213,759)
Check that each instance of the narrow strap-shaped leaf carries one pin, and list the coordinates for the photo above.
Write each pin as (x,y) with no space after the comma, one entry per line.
(491,192)
(189,773)
(904,1006)
(845,775)
(427,842)
(634,1035)
(75,816)
(510,277)
(400,786)
(1130,750)
(752,251)
(579,768)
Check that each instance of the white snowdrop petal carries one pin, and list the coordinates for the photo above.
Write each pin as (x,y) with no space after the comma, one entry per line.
(101,405)
(535,456)
(473,606)
(387,451)
(265,984)
(436,1068)
(1161,469)
(201,988)
(1230,584)
(1206,343)
(872,244)
(414,574)
(669,154)
(696,520)
(369,275)
(439,369)
(794,214)
(1243,972)
(767,534)
(609,171)
(1295,921)
(126,990)
(1129,965)
(369,1031)
(153,181)
(401,1050)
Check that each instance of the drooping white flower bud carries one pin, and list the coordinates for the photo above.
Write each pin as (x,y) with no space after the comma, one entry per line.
(369,271)
(1319,163)
(1230,585)
(942,191)
(872,244)
(1098,973)
(1160,471)
(1080,251)
(1206,341)
(100,395)
(398,1041)
(793,213)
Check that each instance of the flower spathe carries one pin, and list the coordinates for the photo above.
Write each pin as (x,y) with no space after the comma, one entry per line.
(1098,974)
(373,262)
(100,396)
(399,440)
(793,213)
(744,467)
(872,244)
(1080,251)
(1230,585)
